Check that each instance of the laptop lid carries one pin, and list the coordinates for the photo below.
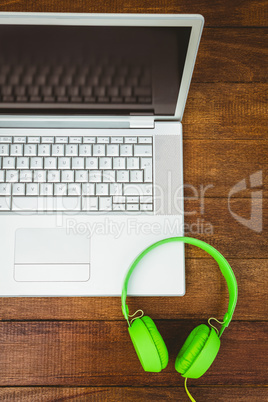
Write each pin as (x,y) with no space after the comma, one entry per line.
(97,64)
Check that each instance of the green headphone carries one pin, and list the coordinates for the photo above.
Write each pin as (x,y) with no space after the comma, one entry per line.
(202,345)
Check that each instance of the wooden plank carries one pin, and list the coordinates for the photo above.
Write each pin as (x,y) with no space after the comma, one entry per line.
(226,111)
(231,55)
(206,296)
(134,394)
(227,13)
(99,353)
(213,222)
(213,168)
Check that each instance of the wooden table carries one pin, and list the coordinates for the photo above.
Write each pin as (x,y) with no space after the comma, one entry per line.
(78,348)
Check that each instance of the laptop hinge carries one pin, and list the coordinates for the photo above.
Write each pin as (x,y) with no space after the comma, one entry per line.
(141,121)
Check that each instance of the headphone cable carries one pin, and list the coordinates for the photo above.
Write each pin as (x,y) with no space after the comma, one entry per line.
(187,392)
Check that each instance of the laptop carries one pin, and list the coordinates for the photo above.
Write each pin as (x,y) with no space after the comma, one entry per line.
(91,161)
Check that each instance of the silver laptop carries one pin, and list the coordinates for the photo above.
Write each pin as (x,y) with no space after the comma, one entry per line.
(91,151)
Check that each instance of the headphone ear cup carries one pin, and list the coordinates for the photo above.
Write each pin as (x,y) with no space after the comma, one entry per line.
(149,344)
(198,352)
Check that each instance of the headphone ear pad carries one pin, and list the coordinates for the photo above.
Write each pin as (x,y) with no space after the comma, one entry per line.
(198,352)
(149,344)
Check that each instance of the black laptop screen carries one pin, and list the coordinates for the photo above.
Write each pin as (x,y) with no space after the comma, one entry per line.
(91,69)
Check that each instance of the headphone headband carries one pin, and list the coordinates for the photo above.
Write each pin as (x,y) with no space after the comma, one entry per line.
(224,266)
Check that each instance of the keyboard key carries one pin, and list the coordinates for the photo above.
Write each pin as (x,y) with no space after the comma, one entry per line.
(119,163)
(40,176)
(12,176)
(105,203)
(130,140)
(143,150)
(116,189)
(105,163)
(113,150)
(61,140)
(81,176)
(91,163)
(44,149)
(60,189)
(108,176)
(147,165)
(46,189)
(122,176)
(89,203)
(75,140)
(64,163)
(78,163)
(26,175)
(30,150)
(103,140)
(5,188)
(16,150)
(146,207)
(119,207)
(47,140)
(53,176)
(89,140)
(74,189)
(19,139)
(133,163)
(23,163)
(145,140)
(137,189)
(85,150)
(136,176)
(36,163)
(146,199)
(117,140)
(132,200)
(88,189)
(4,149)
(33,140)
(5,203)
(142,91)
(126,150)
(95,176)
(119,199)
(2,175)
(32,189)
(5,139)
(102,189)
(57,150)
(71,150)
(99,150)
(132,207)
(67,176)
(46,204)
(8,163)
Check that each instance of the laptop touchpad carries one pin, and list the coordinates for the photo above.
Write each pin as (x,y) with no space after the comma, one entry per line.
(51,255)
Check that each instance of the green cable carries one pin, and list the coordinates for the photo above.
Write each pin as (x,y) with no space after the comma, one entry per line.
(187,392)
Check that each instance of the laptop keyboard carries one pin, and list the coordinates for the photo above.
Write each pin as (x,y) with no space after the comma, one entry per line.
(65,173)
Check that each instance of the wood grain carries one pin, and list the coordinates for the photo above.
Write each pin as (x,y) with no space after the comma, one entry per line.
(212,168)
(232,55)
(206,296)
(99,353)
(226,111)
(134,394)
(223,13)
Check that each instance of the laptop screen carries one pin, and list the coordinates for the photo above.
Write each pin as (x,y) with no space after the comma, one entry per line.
(91,69)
